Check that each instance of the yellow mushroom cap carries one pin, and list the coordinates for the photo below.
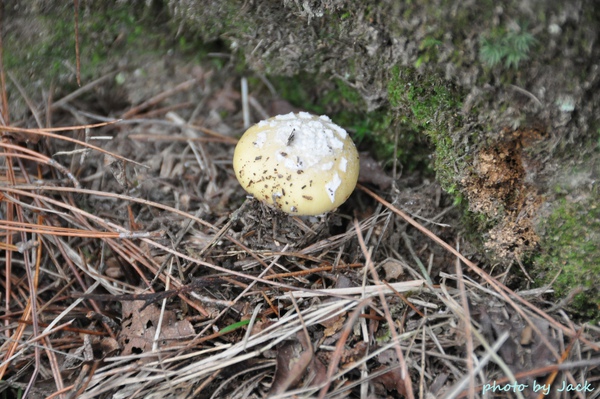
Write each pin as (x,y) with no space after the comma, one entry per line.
(300,163)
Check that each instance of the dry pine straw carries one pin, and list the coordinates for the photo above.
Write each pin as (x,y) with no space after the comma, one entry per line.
(111,290)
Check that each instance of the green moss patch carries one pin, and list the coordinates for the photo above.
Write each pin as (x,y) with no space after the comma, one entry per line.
(430,105)
(571,247)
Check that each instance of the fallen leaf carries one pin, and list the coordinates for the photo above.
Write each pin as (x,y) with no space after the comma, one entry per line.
(117,168)
(139,327)
(316,373)
(293,358)
(333,325)
(393,269)
(350,354)
(391,380)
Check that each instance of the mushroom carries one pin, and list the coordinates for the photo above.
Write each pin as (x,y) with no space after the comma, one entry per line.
(299,163)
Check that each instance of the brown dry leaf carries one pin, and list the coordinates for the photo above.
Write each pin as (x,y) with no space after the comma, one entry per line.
(108,345)
(350,355)
(79,354)
(117,168)
(333,325)
(139,327)
(316,373)
(114,268)
(353,354)
(393,269)
(540,355)
(293,358)
(387,357)
(524,349)
(392,379)
(526,335)
(260,325)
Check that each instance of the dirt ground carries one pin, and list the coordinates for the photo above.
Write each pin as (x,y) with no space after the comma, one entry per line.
(136,265)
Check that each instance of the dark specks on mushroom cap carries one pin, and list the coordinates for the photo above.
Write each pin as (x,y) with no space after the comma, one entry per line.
(310,157)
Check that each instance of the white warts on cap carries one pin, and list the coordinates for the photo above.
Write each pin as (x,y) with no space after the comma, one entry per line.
(260,139)
(299,163)
(332,186)
(343,164)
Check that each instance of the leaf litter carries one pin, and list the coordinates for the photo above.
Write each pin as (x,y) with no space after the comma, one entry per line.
(143,271)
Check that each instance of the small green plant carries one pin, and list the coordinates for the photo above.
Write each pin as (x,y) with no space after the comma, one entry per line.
(510,47)
(427,51)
